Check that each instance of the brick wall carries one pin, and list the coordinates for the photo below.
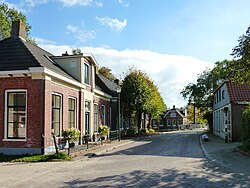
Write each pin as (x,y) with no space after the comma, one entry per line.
(106,103)
(34,111)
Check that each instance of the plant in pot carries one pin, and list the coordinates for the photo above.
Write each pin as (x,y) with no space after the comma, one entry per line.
(71,135)
(103,131)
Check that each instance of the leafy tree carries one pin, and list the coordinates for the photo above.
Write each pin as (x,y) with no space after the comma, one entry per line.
(155,105)
(201,92)
(105,71)
(135,94)
(7,15)
(240,67)
(245,132)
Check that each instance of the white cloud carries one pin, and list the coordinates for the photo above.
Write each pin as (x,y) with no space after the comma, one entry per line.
(33,3)
(70,3)
(80,34)
(114,24)
(171,73)
(123,3)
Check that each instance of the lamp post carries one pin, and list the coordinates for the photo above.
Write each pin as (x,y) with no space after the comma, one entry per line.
(118,90)
(190,102)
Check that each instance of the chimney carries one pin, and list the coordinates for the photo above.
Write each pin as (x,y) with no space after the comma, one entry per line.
(174,107)
(18,29)
(117,81)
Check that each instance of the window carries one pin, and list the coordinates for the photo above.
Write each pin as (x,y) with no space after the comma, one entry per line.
(95,117)
(72,113)
(86,74)
(223,94)
(16,114)
(87,117)
(72,64)
(103,115)
(56,114)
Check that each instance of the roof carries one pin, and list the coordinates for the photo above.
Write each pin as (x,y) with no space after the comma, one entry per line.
(18,54)
(106,85)
(174,110)
(238,92)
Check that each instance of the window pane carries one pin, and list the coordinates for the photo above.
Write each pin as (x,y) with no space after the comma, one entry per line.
(56,127)
(21,99)
(11,99)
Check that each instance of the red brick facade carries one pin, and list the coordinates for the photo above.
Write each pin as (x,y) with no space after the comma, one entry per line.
(39,110)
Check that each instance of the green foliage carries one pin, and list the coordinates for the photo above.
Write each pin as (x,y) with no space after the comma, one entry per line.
(7,15)
(72,134)
(245,136)
(240,67)
(151,130)
(105,71)
(61,156)
(103,130)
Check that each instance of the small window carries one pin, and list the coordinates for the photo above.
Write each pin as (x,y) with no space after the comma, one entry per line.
(72,64)
(103,115)
(223,94)
(72,113)
(95,117)
(16,114)
(56,114)
(86,73)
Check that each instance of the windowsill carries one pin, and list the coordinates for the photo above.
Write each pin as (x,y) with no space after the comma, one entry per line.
(14,140)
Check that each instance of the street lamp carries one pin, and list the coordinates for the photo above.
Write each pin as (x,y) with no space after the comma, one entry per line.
(190,102)
(118,90)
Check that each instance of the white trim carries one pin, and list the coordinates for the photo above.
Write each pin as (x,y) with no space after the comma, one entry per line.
(56,75)
(103,118)
(84,71)
(61,109)
(6,114)
(102,93)
(74,98)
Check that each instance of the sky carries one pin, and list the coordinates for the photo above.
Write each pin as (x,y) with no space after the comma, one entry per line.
(171,40)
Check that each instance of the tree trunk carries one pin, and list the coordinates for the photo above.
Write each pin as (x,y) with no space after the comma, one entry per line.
(149,121)
(144,120)
(139,121)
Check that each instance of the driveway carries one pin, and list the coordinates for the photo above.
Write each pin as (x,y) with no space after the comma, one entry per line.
(169,160)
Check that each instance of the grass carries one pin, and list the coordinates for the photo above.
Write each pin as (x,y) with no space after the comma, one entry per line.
(36,158)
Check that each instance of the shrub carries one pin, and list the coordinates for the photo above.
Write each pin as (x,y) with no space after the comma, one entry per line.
(72,134)
(103,130)
(151,130)
(245,133)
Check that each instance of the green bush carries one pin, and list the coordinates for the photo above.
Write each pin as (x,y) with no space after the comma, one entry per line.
(245,133)
(151,130)
(72,134)
(103,130)
(129,132)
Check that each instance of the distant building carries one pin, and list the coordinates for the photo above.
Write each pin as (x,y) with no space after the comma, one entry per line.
(176,117)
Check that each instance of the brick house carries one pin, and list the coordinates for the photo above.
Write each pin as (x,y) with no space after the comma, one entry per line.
(176,117)
(40,92)
(230,100)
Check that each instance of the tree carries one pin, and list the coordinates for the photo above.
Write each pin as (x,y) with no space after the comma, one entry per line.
(201,92)
(240,67)
(155,105)
(105,71)
(7,15)
(135,94)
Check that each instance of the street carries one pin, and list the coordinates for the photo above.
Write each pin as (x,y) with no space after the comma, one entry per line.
(174,159)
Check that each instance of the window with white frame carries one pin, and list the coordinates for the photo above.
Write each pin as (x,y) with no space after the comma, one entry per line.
(16,114)
(95,117)
(86,73)
(103,115)
(72,113)
(56,114)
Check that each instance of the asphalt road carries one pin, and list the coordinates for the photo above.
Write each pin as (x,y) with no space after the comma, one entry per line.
(170,160)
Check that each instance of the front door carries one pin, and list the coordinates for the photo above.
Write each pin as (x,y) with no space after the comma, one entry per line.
(87,123)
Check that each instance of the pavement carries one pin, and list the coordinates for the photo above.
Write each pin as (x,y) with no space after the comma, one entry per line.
(225,154)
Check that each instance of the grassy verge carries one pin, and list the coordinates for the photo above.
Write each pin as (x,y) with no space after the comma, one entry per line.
(36,158)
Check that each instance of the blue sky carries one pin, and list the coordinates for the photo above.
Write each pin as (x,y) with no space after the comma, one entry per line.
(172,41)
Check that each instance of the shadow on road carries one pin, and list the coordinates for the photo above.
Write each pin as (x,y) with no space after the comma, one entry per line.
(165,178)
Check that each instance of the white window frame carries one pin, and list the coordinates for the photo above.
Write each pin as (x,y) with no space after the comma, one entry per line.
(88,78)
(61,109)
(72,63)
(75,110)
(103,116)
(6,118)
(96,104)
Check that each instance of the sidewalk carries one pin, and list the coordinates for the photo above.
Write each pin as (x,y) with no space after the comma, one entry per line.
(225,154)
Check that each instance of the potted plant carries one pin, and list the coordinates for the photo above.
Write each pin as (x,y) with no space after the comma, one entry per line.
(71,135)
(103,131)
